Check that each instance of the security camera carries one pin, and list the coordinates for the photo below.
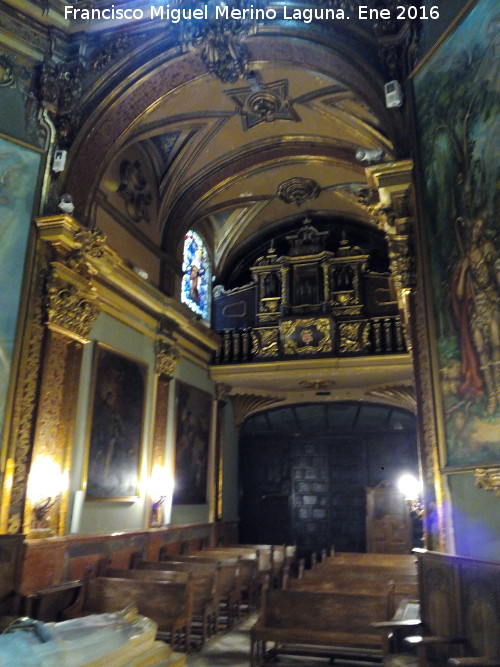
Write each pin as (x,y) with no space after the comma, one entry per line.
(369,155)
(59,161)
(66,204)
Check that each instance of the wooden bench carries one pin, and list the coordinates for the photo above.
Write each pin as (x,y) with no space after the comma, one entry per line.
(208,591)
(333,625)
(47,604)
(227,586)
(168,604)
(460,612)
(248,561)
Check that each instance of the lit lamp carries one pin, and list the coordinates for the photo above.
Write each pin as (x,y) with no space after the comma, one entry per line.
(45,486)
(160,491)
(411,489)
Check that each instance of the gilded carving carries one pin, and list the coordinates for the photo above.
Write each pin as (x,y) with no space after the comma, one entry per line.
(90,245)
(68,310)
(306,336)
(488,479)
(222,391)
(112,50)
(24,414)
(60,91)
(167,356)
(265,342)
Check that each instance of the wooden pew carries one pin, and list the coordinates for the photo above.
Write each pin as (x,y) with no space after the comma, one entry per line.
(460,612)
(228,589)
(248,561)
(208,591)
(333,625)
(184,578)
(47,604)
(168,604)
(11,560)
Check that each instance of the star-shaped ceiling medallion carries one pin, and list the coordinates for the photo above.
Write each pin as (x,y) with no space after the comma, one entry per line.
(267,103)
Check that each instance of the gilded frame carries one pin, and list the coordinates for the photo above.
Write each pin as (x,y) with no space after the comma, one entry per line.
(455,109)
(19,170)
(193,415)
(116,425)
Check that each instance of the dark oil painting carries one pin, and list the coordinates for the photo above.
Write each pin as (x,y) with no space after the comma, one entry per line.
(193,410)
(116,426)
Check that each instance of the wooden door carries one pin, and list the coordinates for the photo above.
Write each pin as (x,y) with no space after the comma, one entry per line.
(388,522)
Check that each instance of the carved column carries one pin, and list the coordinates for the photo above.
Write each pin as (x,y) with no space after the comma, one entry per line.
(167,357)
(389,200)
(222,396)
(70,313)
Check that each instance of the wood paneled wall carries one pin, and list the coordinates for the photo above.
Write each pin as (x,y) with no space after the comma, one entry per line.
(59,559)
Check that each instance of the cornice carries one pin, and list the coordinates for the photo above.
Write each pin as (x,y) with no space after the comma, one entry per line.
(120,292)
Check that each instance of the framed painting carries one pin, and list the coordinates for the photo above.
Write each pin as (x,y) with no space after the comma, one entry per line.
(116,425)
(457,101)
(192,438)
(19,168)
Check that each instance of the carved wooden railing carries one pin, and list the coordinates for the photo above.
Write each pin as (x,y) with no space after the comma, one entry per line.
(381,336)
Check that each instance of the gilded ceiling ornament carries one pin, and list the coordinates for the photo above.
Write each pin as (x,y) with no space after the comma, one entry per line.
(268,103)
(135,191)
(112,50)
(167,356)
(488,479)
(222,50)
(298,190)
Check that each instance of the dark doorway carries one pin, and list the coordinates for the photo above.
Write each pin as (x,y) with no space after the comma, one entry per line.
(304,470)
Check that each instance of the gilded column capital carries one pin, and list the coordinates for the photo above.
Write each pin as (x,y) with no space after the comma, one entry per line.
(222,391)
(69,310)
(167,356)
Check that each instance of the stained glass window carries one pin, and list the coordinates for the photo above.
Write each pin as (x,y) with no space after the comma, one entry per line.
(195,289)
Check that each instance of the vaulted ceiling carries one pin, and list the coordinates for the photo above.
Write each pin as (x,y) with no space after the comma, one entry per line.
(240,161)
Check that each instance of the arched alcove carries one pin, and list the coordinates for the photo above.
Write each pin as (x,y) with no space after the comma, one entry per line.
(304,471)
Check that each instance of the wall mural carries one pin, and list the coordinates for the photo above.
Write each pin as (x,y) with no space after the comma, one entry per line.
(193,409)
(19,167)
(195,288)
(457,101)
(114,451)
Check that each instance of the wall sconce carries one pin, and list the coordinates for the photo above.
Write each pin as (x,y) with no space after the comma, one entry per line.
(160,491)
(45,486)
(411,489)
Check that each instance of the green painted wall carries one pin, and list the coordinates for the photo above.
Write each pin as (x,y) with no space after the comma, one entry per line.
(476,518)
